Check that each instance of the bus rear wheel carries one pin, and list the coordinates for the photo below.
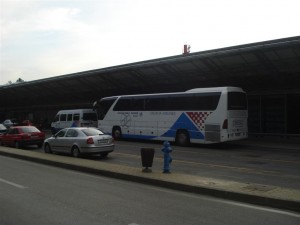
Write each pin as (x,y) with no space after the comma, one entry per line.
(182,138)
(116,133)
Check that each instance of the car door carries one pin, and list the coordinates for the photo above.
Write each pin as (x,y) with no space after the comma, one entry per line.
(57,143)
(66,140)
(70,139)
(11,137)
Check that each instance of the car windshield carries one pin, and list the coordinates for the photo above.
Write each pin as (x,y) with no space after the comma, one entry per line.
(29,129)
(91,132)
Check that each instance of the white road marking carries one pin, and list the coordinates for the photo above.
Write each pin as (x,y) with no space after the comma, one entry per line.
(278,211)
(12,183)
(229,202)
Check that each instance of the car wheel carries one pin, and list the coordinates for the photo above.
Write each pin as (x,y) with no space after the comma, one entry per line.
(103,155)
(17,144)
(75,152)
(47,148)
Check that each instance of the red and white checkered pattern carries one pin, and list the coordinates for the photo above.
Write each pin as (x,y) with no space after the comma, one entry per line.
(199,118)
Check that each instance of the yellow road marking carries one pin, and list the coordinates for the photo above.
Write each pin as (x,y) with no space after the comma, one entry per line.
(248,170)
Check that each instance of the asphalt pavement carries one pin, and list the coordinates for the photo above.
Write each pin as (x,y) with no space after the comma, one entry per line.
(258,194)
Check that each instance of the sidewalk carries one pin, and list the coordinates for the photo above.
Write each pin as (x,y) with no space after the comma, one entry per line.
(276,142)
(271,196)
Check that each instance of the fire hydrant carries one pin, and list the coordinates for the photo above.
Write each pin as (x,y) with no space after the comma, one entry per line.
(167,158)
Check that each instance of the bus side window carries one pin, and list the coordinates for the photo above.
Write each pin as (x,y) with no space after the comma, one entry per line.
(76,117)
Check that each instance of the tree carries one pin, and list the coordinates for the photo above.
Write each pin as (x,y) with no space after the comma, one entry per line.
(20,80)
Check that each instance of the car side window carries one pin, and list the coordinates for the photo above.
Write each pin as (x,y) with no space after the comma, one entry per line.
(69,117)
(76,117)
(72,133)
(13,131)
(61,133)
(10,131)
(63,117)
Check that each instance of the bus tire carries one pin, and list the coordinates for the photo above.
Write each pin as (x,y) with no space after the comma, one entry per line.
(117,133)
(182,138)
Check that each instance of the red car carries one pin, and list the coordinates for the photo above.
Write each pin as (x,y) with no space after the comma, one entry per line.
(21,136)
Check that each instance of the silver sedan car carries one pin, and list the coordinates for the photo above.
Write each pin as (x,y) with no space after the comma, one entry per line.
(80,140)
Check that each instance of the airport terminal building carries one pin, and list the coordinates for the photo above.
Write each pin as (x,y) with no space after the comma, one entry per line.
(268,71)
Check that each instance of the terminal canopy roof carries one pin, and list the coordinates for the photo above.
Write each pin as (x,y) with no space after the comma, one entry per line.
(271,66)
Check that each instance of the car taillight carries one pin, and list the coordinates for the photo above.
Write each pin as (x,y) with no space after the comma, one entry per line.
(90,141)
(225,124)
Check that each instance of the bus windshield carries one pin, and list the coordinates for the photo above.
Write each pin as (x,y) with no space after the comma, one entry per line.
(103,106)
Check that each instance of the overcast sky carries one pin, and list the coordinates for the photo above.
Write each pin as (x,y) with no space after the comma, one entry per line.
(46,38)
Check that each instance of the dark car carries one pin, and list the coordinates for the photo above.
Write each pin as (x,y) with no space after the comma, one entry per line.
(10,122)
(3,129)
(21,136)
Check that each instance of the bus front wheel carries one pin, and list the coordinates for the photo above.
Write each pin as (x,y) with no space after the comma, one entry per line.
(116,133)
(182,138)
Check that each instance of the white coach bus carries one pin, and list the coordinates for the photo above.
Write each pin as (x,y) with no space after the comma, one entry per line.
(201,115)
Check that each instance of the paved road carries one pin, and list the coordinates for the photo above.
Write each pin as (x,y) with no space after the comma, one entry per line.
(232,161)
(36,194)
(271,166)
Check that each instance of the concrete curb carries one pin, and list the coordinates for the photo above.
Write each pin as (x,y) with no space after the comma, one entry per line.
(206,186)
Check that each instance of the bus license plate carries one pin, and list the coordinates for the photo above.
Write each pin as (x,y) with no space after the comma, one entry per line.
(238,123)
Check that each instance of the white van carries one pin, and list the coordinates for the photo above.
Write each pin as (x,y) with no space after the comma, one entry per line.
(74,118)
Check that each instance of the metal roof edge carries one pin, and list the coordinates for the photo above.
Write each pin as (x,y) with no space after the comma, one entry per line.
(213,52)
